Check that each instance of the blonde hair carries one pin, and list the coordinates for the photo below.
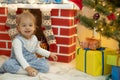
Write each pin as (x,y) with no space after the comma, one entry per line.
(25,14)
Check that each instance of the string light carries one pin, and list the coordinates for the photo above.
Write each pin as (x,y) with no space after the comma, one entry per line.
(102,29)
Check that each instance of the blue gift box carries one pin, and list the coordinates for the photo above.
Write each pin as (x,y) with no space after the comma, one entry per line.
(115,73)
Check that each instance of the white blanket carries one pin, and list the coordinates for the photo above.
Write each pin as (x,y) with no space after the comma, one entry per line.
(58,71)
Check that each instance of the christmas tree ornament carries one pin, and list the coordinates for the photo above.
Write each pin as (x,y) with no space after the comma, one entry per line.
(78,3)
(111,16)
(96,16)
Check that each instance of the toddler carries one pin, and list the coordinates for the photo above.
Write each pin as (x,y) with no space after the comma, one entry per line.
(24,46)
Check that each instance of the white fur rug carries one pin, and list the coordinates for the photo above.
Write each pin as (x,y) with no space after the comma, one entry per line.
(58,71)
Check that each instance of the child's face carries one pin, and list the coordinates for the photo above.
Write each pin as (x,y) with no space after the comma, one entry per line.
(26,27)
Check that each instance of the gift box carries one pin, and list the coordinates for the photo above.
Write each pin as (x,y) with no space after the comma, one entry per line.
(93,62)
(90,43)
(115,73)
(113,59)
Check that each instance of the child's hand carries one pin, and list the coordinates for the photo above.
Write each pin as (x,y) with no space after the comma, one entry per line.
(31,71)
(54,56)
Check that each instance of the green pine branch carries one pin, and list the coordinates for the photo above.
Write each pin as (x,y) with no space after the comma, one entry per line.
(101,9)
(89,23)
(89,3)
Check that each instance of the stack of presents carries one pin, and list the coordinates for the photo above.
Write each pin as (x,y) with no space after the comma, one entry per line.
(114,60)
(97,61)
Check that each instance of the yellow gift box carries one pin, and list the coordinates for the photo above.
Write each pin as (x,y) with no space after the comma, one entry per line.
(93,62)
(113,59)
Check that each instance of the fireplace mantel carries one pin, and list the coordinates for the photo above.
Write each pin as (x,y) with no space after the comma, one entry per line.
(45,6)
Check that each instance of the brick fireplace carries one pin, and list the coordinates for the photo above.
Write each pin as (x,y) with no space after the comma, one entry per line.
(63,26)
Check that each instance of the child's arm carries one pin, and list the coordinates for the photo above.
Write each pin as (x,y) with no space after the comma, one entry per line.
(17,46)
(46,53)
(42,52)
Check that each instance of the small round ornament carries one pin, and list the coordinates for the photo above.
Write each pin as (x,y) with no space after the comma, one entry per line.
(96,16)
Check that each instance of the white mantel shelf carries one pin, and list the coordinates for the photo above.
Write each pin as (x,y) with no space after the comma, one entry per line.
(43,6)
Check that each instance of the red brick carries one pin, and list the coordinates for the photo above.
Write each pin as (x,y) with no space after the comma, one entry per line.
(53,48)
(2,10)
(66,59)
(63,40)
(54,12)
(67,31)
(2,44)
(55,31)
(4,37)
(74,39)
(62,22)
(3,28)
(67,50)
(68,12)
(9,45)
(3,19)
(5,52)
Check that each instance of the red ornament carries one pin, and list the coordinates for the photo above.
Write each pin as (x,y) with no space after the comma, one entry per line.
(111,16)
(78,3)
(96,16)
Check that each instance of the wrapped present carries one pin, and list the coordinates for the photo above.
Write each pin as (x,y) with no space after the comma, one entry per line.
(84,44)
(93,62)
(90,43)
(115,73)
(113,59)
(93,43)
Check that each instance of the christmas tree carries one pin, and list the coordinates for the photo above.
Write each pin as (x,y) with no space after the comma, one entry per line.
(106,19)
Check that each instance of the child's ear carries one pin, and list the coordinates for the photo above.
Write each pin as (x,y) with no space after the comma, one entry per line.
(18,28)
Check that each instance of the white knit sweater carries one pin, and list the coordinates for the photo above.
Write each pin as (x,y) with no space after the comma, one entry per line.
(31,45)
